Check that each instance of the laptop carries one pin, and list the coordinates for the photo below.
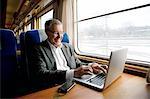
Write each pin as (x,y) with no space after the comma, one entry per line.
(101,81)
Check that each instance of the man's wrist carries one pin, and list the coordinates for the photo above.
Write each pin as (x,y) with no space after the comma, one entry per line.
(75,73)
(69,74)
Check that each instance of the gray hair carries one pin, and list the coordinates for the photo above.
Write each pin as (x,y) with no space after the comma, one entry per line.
(49,24)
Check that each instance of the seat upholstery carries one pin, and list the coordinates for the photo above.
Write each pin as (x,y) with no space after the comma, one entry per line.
(65,38)
(27,41)
(8,62)
(22,60)
(35,36)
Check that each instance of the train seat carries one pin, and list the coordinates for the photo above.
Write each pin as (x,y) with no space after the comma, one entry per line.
(8,63)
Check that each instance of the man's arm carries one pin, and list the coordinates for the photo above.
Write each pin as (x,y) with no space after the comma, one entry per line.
(78,62)
(96,68)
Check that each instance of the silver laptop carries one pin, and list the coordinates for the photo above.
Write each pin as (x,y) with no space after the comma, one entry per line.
(101,80)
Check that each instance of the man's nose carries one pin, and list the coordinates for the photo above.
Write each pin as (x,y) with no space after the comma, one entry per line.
(58,35)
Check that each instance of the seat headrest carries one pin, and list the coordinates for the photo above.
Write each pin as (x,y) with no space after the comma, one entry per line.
(8,41)
(65,38)
(35,36)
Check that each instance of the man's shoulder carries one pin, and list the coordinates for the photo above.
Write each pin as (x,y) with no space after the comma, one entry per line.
(42,44)
(67,45)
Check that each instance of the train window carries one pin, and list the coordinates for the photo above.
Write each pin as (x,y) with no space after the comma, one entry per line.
(45,17)
(28,27)
(21,30)
(104,25)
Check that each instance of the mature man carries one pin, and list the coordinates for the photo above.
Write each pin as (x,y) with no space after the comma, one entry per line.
(54,62)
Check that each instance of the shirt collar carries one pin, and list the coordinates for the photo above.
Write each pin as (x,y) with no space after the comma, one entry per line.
(52,46)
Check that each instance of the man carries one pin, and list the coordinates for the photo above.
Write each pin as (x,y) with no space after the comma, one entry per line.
(54,62)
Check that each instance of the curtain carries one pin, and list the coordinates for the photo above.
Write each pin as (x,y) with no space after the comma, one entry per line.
(58,9)
(63,10)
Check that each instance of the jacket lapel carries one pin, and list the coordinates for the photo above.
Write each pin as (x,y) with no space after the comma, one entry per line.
(48,52)
(65,50)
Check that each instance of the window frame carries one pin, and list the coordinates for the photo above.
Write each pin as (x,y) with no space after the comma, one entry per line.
(43,15)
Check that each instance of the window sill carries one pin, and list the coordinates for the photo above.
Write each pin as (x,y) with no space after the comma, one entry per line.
(132,69)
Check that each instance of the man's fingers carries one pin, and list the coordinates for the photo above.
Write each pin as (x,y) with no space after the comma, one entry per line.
(104,66)
(96,71)
(97,68)
(87,69)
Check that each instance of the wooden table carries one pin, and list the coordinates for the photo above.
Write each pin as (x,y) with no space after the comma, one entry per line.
(126,87)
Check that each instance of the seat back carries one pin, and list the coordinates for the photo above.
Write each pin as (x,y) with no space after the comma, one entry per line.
(8,62)
(27,41)
(23,58)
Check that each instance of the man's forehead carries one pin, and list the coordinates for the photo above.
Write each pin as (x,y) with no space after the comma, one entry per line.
(56,27)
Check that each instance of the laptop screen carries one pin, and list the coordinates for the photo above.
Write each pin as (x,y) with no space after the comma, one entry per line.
(116,65)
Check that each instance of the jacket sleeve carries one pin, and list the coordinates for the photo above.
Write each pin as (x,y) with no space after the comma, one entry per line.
(78,62)
(41,72)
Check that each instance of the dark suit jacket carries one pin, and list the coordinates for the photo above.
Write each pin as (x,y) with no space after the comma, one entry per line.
(43,65)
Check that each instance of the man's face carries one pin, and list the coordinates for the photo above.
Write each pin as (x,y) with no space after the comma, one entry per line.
(55,35)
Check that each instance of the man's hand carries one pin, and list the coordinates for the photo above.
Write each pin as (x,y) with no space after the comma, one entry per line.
(82,70)
(97,68)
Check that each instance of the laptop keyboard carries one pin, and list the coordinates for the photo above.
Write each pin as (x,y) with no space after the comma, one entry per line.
(98,80)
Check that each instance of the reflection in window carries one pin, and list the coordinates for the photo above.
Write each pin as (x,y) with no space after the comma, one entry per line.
(129,29)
